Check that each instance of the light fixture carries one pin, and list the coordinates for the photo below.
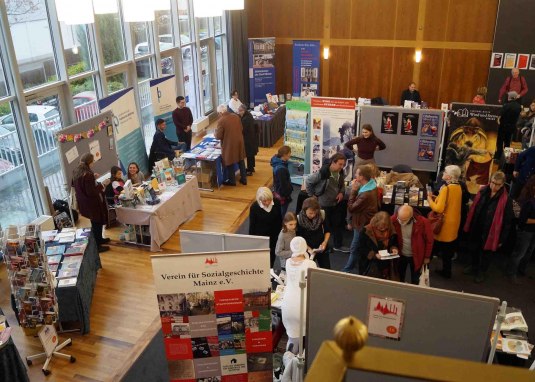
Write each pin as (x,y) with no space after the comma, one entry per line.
(161,5)
(232,5)
(73,13)
(75,49)
(136,11)
(102,7)
(207,8)
(418,55)
(326,53)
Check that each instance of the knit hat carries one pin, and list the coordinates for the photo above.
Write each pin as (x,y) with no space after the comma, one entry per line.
(298,245)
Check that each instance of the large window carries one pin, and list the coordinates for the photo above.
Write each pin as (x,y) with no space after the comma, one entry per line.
(184,21)
(222,96)
(76,48)
(189,79)
(140,32)
(111,36)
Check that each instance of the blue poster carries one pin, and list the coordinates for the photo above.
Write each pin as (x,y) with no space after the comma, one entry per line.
(261,69)
(306,68)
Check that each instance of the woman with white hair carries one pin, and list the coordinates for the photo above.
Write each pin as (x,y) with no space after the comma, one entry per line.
(265,219)
(448,202)
(292,292)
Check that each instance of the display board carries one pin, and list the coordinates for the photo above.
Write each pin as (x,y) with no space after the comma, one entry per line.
(163,95)
(261,69)
(198,241)
(296,134)
(434,321)
(94,135)
(411,136)
(215,309)
(306,68)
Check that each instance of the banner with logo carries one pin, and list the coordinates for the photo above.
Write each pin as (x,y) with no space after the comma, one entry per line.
(472,133)
(306,68)
(127,129)
(216,316)
(163,95)
(261,69)
(333,124)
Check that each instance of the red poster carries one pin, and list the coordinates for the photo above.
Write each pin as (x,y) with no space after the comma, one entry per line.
(177,348)
(228,301)
(258,342)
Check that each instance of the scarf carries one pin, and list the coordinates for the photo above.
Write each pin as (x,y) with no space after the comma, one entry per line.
(310,225)
(493,239)
(371,185)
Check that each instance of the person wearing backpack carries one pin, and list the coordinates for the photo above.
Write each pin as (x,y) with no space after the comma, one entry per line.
(515,82)
(282,184)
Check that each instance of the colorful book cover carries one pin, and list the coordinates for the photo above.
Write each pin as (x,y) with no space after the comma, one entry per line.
(56,259)
(55,250)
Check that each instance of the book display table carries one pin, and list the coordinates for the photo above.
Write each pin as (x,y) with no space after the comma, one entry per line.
(271,127)
(206,158)
(12,367)
(178,204)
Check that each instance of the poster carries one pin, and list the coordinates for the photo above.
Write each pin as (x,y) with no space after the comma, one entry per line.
(215,314)
(430,125)
(522,61)
(333,124)
(532,62)
(163,95)
(94,148)
(49,339)
(297,126)
(72,154)
(496,60)
(306,68)
(385,317)
(261,69)
(510,61)
(426,150)
(409,123)
(389,122)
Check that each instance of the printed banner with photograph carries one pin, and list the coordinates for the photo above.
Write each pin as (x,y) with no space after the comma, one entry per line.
(389,122)
(163,95)
(306,68)
(430,125)
(472,134)
(261,69)
(333,122)
(130,143)
(409,123)
(215,310)
(426,150)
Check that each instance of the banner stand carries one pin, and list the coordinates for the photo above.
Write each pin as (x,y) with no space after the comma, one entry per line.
(441,149)
(49,339)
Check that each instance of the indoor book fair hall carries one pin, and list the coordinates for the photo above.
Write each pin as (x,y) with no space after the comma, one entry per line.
(253,190)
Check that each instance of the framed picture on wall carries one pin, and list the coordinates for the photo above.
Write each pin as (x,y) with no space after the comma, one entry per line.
(532,62)
(496,60)
(510,61)
(522,61)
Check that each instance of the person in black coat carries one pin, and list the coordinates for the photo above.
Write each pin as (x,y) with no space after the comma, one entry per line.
(508,119)
(265,219)
(312,226)
(161,146)
(282,184)
(410,94)
(250,137)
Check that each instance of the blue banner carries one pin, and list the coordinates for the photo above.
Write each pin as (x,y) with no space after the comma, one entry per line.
(306,68)
(261,69)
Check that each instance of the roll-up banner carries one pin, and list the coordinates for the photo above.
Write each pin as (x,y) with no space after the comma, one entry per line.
(215,314)
(261,69)
(163,95)
(306,68)
(127,129)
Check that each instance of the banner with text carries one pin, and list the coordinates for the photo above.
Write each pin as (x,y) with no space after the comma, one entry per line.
(127,129)
(333,124)
(216,316)
(306,68)
(163,95)
(261,69)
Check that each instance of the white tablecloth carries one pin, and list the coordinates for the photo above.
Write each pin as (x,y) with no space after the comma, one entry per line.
(163,219)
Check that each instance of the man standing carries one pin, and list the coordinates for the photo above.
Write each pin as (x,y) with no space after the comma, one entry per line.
(363,205)
(415,241)
(161,146)
(515,82)
(183,119)
(229,132)
(250,137)
(524,168)
(328,186)
(508,118)
(410,94)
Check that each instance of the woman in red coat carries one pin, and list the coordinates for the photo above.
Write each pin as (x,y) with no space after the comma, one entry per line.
(90,198)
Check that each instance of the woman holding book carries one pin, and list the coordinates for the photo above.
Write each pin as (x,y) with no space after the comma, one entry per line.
(367,144)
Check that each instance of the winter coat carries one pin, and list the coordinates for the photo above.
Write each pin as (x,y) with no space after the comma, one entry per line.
(362,207)
(90,198)
(281,177)
(229,132)
(321,184)
(250,134)
(421,238)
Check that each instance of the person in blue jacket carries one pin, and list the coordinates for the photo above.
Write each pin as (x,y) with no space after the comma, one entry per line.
(282,185)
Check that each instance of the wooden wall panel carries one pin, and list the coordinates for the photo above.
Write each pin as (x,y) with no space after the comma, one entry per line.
(338,72)
(429,82)
(472,20)
(406,11)
(313,24)
(254,18)
(373,19)
(284,18)
(283,63)
(340,22)
(402,70)
(436,20)
(369,71)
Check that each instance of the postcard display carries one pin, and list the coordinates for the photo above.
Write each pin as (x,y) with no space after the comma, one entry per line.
(216,316)
(296,132)
(412,136)
(32,284)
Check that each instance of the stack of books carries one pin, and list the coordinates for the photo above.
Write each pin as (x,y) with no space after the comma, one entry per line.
(513,336)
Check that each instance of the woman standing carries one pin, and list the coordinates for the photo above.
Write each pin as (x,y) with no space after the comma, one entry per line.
(312,227)
(265,219)
(134,174)
(90,197)
(488,223)
(367,144)
(448,202)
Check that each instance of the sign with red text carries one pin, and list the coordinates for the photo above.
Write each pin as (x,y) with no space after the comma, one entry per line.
(385,317)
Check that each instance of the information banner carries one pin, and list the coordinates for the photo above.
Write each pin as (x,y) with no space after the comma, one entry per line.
(216,316)
(473,131)
(306,68)
(127,129)
(333,124)
(163,95)
(261,69)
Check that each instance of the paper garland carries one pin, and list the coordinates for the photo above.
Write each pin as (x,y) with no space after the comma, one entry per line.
(62,138)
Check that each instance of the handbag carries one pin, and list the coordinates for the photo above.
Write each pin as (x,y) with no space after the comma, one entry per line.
(424,276)
(437,219)
(281,199)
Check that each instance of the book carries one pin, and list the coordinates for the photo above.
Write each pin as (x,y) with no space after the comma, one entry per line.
(67,273)
(514,321)
(55,250)
(387,195)
(75,250)
(515,346)
(67,282)
(53,267)
(83,232)
(48,236)
(414,196)
(56,259)
(385,255)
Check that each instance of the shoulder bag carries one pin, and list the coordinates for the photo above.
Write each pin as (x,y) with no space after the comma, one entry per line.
(437,219)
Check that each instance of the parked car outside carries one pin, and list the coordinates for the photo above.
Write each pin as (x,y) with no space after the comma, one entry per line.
(46,116)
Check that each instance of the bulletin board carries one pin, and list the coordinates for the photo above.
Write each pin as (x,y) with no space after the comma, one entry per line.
(93,135)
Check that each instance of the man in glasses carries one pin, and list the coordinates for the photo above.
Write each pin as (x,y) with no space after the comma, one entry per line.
(415,241)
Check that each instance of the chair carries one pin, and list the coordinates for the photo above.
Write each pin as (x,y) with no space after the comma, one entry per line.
(110,206)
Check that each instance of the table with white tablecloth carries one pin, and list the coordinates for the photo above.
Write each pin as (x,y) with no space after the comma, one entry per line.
(177,204)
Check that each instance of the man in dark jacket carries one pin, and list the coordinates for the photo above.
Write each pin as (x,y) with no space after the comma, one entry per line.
(250,137)
(508,118)
(161,146)
(183,120)
(415,241)
(410,94)
(282,185)
(524,168)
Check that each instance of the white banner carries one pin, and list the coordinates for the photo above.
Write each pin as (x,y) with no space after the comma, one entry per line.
(163,95)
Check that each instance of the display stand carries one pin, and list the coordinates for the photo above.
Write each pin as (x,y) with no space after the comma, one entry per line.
(49,339)
(499,321)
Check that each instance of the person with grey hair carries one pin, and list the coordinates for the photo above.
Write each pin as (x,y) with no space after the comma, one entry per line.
(515,82)
(448,202)
(250,137)
(508,118)
(230,132)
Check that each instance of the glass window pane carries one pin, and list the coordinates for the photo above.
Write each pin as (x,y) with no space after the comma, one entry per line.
(203,27)
(189,80)
(220,68)
(168,65)
(144,69)
(30,31)
(84,98)
(165,32)
(217,25)
(3,83)
(18,206)
(76,48)
(117,82)
(111,37)
(206,78)
(183,20)
(147,116)
(140,32)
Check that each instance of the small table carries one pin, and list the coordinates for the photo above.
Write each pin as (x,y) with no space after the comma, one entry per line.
(12,367)
(271,127)
(177,205)
(207,158)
